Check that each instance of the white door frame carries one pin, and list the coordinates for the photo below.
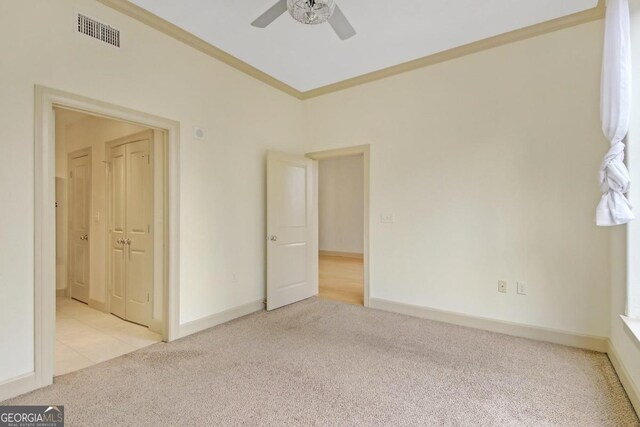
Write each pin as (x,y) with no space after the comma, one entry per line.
(342,152)
(44,253)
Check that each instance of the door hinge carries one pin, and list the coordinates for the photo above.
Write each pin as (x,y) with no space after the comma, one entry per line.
(70,174)
(148,297)
(148,228)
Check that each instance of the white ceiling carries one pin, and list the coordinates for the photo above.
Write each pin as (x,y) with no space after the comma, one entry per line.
(389,32)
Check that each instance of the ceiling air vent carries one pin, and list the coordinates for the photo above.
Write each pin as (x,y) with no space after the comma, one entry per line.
(98,30)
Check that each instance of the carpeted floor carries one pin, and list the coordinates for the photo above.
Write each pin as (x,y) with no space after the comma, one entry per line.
(325,363)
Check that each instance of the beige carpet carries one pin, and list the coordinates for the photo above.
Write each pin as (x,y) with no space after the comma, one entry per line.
(326,363)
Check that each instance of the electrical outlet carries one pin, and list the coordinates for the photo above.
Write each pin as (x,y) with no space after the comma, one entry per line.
(502,286)
(522,288)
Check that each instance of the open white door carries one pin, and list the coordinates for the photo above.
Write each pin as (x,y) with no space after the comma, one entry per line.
(79,224)
(291,230)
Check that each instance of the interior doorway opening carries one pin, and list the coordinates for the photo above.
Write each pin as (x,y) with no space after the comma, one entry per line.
(293,247)
(109,186)
(342,177)
(341,228)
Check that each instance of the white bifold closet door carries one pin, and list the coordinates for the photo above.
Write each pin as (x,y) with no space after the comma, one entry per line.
(130,236)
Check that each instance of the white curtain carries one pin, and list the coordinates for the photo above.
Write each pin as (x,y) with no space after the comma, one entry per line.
(614,208)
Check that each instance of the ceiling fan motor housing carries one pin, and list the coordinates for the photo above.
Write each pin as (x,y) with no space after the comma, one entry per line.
(311,11)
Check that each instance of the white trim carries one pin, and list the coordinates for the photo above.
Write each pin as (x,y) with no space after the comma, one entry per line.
(342,254)
(633,392)
(157,326)
(220,318)
(633,326)
(316,228)
(97,305)
(352,151)
(588,342)
(44,220)
(16,386)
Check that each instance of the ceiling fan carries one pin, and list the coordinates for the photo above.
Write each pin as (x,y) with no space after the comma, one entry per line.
(309,12)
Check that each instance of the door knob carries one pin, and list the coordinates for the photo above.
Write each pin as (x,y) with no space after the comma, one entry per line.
(273,238)
(128,241)
(120,241)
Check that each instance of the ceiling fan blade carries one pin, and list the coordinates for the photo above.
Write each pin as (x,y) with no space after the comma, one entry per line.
(271,14)
(341,25)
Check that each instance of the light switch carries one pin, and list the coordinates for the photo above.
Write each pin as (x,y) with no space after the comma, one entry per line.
(522,288)
(387,218)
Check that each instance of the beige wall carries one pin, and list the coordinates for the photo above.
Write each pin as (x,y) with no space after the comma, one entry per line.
(341,204)
(222,178)
(91,132)
(489,163)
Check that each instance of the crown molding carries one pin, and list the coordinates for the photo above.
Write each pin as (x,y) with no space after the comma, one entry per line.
(142,15)
(561,23)
(147,18)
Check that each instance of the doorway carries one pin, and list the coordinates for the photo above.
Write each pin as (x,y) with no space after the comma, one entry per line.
(107,170)
(340,184)
(293,249)
(166,197)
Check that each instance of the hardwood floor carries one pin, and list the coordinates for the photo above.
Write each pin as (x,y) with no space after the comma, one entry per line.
(342,279)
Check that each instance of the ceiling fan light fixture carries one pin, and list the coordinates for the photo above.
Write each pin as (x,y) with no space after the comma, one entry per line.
(311,11)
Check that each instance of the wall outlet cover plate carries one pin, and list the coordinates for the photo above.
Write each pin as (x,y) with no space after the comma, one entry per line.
(522,288)
(502,286)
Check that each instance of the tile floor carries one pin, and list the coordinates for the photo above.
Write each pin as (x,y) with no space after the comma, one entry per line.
(85,336)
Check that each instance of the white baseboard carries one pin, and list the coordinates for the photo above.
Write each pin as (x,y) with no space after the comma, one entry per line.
(629,386)
(219,318)
(157,326)
(100,306)
(26,383)
(342,254)
(571,339)
(17,386)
